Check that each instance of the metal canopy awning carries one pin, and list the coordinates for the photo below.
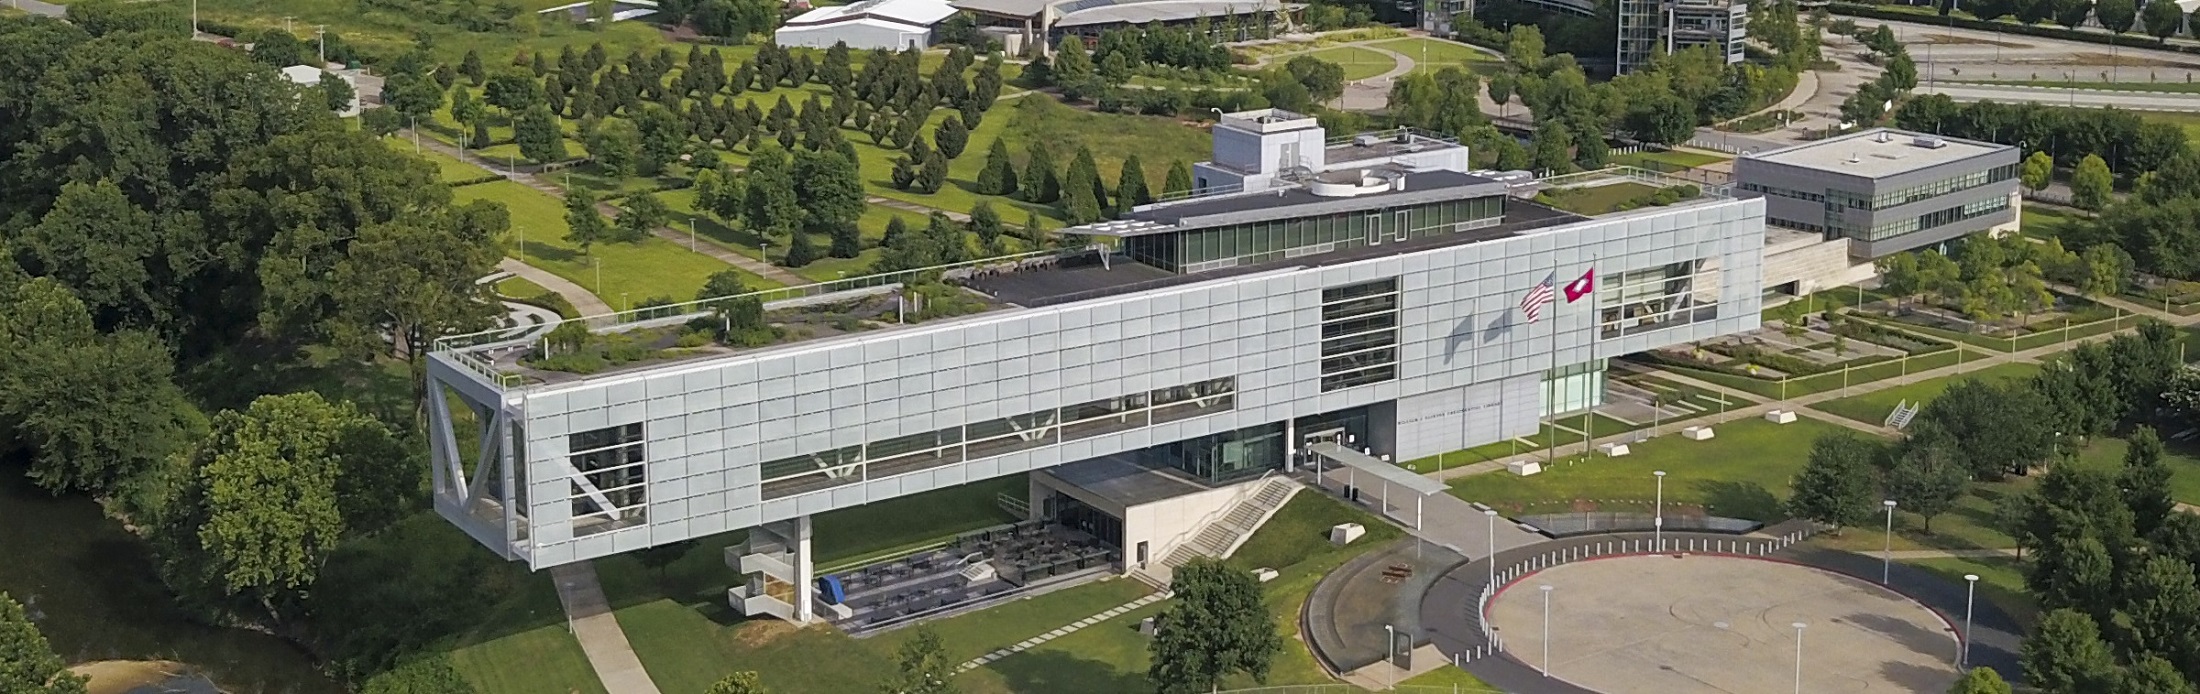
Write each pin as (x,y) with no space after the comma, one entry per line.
(1381,469)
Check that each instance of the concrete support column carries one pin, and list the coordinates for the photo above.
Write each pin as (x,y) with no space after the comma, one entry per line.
(805,572)
(1290,445)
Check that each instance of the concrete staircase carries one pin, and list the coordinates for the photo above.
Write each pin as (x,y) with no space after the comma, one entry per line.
(1229,528)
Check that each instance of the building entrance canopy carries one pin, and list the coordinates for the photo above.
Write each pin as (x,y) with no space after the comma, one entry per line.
(1381,469)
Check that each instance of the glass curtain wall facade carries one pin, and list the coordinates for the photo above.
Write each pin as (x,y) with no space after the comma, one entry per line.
(1259,242)
(1573,388)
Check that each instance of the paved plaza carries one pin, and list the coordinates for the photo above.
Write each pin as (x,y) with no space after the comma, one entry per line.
(1703,624)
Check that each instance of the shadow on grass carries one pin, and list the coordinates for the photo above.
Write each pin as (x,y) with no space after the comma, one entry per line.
(232,378)
(1740,500)
(1064,673)
(553,254)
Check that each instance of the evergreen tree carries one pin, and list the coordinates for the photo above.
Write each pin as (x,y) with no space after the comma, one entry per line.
(594,60)
(1835,486)
(1130,187)
(539,65)
(986,225)
(999,175)
(2144,482)
(471,67)
(773,207)
(946,239)
(1081,185)
(932,174)
(847,241)
(829,188)
(584,226)
(950,138)
(2150,674)
(1040,183)
(536,131)
(1179,181)
(1980,680)
(2160,610)
(2066,655)
(835,71)
(800,251)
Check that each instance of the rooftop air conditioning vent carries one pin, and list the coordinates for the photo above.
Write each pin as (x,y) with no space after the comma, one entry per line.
(1930,142)
(1882,136)
(1366,140)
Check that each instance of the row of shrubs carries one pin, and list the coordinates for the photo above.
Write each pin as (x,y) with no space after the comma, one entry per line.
(1879,334)
(1662,197)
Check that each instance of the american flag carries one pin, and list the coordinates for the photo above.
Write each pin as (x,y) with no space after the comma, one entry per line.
(1532,304)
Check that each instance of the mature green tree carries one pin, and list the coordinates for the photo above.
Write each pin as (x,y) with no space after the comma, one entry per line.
(985,224)
(1072,69)
(999,175)
(430,674)
(2091,183)
(2160,610)
(2117,16)
(945,238)
(950,137)
(512,91)
(98,243)
(336,92)
(828,187)
(2106,270)
(2162,20)
(1218,627)
(662,136)
(584,225)
(28,664)
(1083,196)
(1179,181)
(105,17)
(2039,170)
(1524,47)
(280,49)
(269,493)
(404,282)
(1994,428)
(93,410)
(1323,80)
(639,218)
(1927,478)
(1667,120)
(1835,486)
(1041,182)
(2150,674)
(747,682)
(2070,13)
(2066,655)
(931,173)
(923,666)
(1901,74)
(1980,680)
(1553,145)
(2073,570)
(774,208)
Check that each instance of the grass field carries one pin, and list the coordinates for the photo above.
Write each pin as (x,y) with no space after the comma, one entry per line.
(2183,459)
(448,168)
(1430,55)
(629,272)
(2189,121)
(1741,473)
(1873,407)
(1359,63)
(543,657)
(2000,581)
(2045,222)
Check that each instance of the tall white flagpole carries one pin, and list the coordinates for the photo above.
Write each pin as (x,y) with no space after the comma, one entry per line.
(1550,379)
(1588,417)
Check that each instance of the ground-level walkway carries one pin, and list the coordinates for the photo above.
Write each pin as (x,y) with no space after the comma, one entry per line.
(588,614)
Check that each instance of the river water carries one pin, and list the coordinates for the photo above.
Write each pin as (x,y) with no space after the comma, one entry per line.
(90,587)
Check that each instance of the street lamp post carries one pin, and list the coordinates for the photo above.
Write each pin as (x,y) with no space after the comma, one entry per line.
(691,233)
(1963,652)
(1886,551)
(1799,656)
(1546,629)
(1390,654)
(1657,519)
(1491,514)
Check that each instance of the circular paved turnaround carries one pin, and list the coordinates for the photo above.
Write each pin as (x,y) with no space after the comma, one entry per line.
(1722,624)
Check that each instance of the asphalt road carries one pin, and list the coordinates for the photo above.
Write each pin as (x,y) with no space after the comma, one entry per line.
(2140,101)
(36,7)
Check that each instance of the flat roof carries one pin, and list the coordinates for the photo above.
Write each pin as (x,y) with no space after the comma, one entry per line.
(1878,152)
(1383,470)
(1124,480)
(1278,202)
(1164,11)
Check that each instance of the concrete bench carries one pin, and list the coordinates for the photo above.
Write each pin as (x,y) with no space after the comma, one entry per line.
(1524,468)
(1697,433)
(1613,450)
(1780,417)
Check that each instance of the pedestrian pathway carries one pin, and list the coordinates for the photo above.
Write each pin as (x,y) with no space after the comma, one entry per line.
(1071,628)
(588,614)
(584,301)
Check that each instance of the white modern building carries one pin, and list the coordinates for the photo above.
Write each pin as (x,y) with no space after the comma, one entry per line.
(1361,308)
(890,24)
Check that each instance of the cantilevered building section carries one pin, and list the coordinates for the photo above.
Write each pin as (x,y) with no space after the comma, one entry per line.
(1649,27)
(1359,293)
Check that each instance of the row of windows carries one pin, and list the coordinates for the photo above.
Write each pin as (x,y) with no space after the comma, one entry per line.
(1941,187)
(913,452)
(1657,298)
(1937,219)
(1259,242)
(1359,334)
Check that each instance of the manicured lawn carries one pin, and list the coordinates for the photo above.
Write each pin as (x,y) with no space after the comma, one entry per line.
(686,647)
(2183,458)
(519,287)
(2045,222)
(449,168)
(1873,407)
(542,659)
(1431,55)
(1670,158)
(1359,63)
(2189,121)
(2000,581)
(971,635)
(1157,140)
(1594,200)
(629,272)
(1742,472)
(1299,532)
(1105,658)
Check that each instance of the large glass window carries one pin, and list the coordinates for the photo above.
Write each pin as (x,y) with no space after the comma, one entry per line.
(610,488)
(1640,301)
(1359,334)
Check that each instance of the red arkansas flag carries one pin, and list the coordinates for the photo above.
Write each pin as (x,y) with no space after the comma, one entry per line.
(1581,287)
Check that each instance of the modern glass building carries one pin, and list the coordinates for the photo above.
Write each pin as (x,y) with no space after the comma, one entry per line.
(1886,191)
(1374,300)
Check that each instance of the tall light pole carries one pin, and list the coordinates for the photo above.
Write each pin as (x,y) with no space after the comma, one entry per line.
(1657,520)
(1546,629)
(691,233)
(1799,656)
(1886,551)
(1491,513)
(1390,654)
(1963,652)
(320,31)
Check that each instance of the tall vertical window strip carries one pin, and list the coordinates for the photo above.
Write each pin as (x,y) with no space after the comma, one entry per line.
(610,478)
(1359,334)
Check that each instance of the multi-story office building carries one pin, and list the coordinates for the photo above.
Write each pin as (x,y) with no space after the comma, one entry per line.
(1647,27)
(1875,193)
(1365,290)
